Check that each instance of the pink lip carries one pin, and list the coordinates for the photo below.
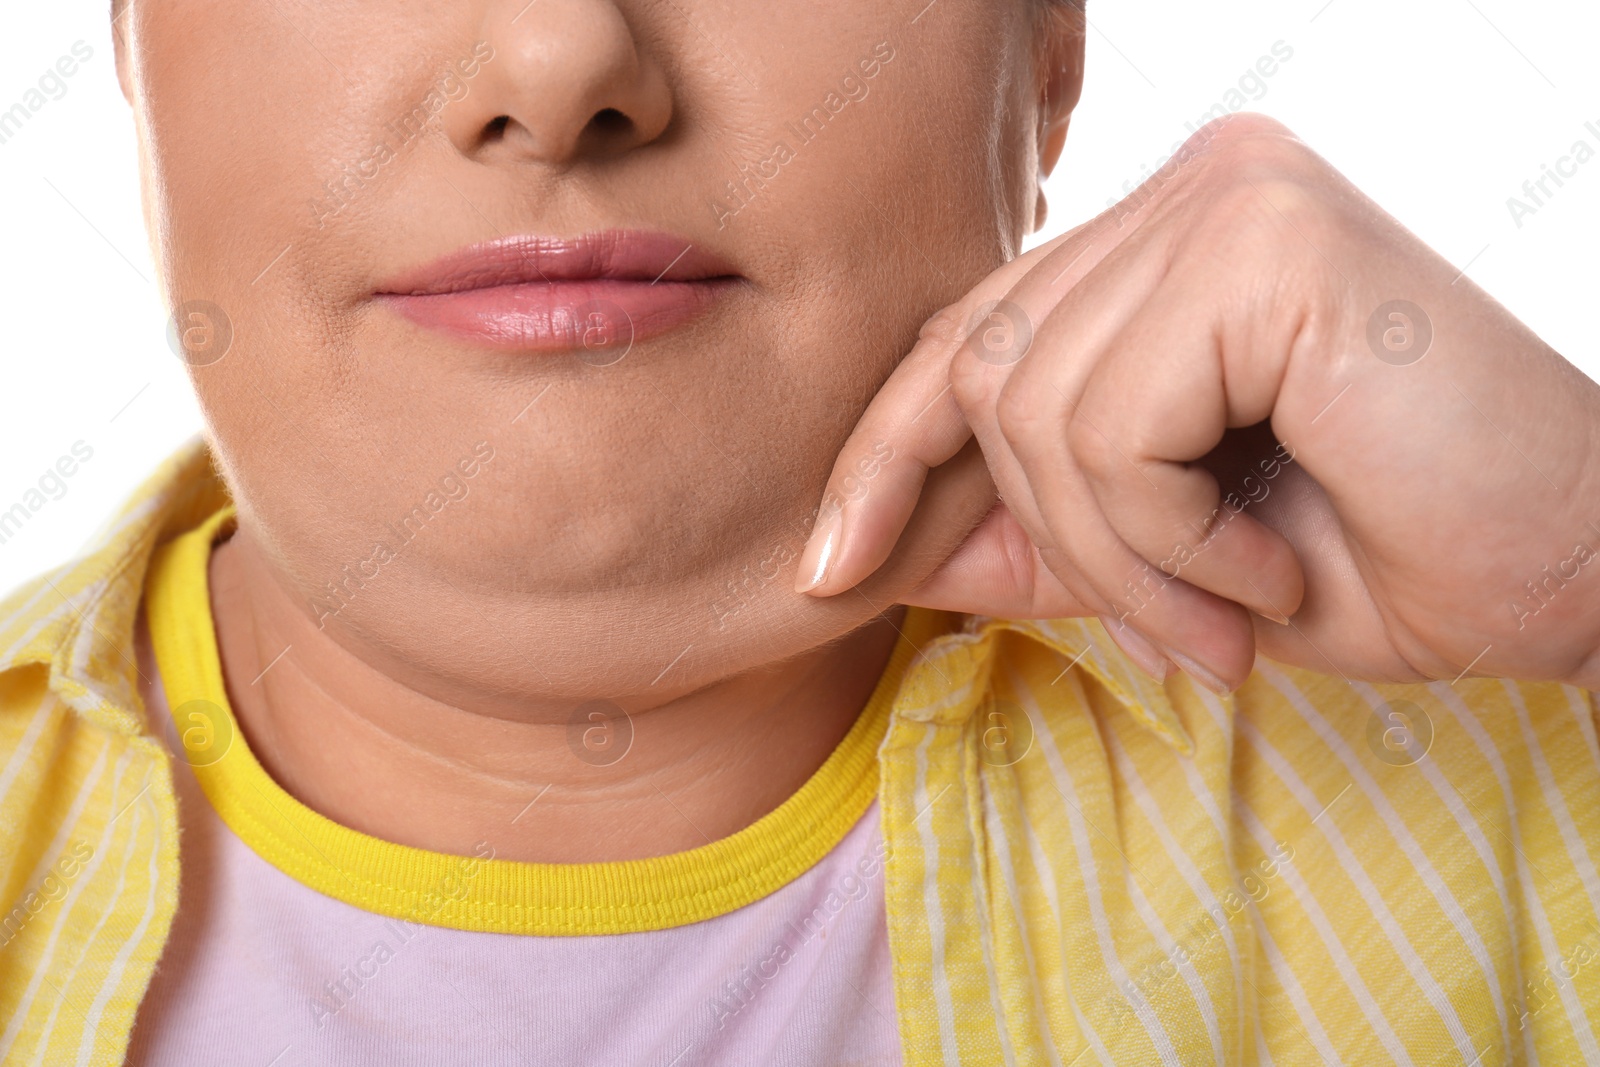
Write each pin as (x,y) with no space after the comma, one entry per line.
(596,294)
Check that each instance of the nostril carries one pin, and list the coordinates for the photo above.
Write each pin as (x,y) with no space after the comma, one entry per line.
(607,130)
(610,121)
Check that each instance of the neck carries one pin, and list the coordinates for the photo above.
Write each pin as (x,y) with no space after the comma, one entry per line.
(595,784)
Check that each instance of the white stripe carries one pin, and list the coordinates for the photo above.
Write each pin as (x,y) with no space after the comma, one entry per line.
(1470,828)
(1263,1055)
(30,737)
(1191,875)
(946,700)
(119,965)
(1319,919)
(1090,873)
(1413,852)
(88,638)
(1297,994)
(1577,1016)
(88,594)
(25,1004)
(980,908)
(89,941)
(1169,947)
(1002,848)
(1041,860)
(1197,785)
(1457,707)
(1208,804)
(57,847)
(1578,700)
(1119,674)
(1576,849)
(1369,891)
(26,607)
(930,902)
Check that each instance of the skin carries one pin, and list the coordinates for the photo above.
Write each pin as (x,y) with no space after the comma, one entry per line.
(591,558)
(1223,305)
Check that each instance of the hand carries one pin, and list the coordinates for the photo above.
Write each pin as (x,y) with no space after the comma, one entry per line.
(1242,409)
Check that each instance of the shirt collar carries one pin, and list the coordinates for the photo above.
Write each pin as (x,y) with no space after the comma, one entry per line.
(78,619)
(953,672)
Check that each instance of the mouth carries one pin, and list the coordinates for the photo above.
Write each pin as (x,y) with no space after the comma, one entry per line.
(595,294)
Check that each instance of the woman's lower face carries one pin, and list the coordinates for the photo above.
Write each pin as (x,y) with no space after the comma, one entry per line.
(652,259)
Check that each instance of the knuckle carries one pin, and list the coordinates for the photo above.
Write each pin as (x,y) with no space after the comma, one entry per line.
(1023,412)
(1274,200)
(1271,214)
(1284,226)
(947,326)
(1095,453)
(1246,152)
(1248,137)
(972,383)
(1017,553)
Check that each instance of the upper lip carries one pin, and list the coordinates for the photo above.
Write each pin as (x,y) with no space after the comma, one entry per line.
(619,255)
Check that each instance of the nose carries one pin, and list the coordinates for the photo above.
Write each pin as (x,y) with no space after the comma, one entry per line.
(566,80)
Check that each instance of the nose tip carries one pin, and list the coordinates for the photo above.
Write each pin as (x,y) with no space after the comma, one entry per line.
(568,79)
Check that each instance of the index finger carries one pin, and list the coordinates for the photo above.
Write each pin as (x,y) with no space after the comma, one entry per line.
(911,426)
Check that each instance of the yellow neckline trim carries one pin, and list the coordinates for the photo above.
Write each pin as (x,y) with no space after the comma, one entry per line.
(480,892)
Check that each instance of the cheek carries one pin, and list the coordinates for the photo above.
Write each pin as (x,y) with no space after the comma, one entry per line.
(273,135)
(249,132)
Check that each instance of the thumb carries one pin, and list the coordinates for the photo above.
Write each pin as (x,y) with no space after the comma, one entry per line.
(997,571)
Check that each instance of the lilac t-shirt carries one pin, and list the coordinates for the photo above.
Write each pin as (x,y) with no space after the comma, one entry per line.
(261,969)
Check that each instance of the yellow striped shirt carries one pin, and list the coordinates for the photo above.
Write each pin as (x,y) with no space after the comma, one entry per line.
(1081,865)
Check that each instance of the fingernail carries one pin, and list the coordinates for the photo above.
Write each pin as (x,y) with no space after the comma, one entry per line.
(1199,673)
(820,552)
(1138,648)
(1276,616)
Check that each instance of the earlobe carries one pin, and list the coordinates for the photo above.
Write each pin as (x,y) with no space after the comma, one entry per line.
(1052,139)
(1054,121)
(1061,62)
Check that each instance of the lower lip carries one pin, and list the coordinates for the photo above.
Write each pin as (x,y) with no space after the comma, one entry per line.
(598,316)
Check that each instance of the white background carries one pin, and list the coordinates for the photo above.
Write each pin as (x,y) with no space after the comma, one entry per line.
(1439,109)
